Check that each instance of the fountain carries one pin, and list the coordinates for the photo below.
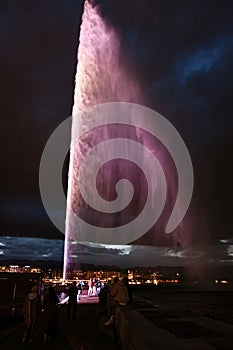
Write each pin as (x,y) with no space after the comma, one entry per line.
(102,78)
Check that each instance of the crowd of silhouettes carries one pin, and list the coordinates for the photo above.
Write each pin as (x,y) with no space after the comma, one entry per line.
(110,294)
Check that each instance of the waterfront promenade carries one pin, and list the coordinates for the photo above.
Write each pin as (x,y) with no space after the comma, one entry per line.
(82,333)
(160,319)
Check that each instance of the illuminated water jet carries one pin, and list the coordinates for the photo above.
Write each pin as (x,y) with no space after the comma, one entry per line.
(101,77)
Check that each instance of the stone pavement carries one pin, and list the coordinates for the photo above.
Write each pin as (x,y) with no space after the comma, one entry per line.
(12,339)
(82,333)
(158,321)
(198,320)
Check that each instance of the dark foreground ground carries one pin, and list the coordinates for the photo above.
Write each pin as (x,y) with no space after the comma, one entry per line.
(199,315)
(217,304)
(205,316)
(84,327)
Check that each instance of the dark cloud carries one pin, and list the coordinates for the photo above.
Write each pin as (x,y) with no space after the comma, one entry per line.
(23,248)
(123,256)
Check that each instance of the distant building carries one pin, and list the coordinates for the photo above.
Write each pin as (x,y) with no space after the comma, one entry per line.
(20,269)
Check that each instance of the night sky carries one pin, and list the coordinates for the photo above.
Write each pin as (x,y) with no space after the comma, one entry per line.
(181,53)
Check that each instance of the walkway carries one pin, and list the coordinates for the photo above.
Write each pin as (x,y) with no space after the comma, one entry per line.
(83,333)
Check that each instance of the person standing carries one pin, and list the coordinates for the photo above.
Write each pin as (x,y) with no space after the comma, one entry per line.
(49,317)
(31,312)
(129,289)
(103,300)
(80,288)
(72,301)
(94,287)
(118,296)
(90,287)
(98,286)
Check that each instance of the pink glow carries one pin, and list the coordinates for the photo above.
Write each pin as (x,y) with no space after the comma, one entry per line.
(101,77)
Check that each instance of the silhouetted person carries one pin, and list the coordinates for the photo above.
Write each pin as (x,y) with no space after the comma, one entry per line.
(49,317)
(129,289)
(103,299)
(80,289)
(118,296)
(98,285)
(32,308)
(72,302)
(103,295)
